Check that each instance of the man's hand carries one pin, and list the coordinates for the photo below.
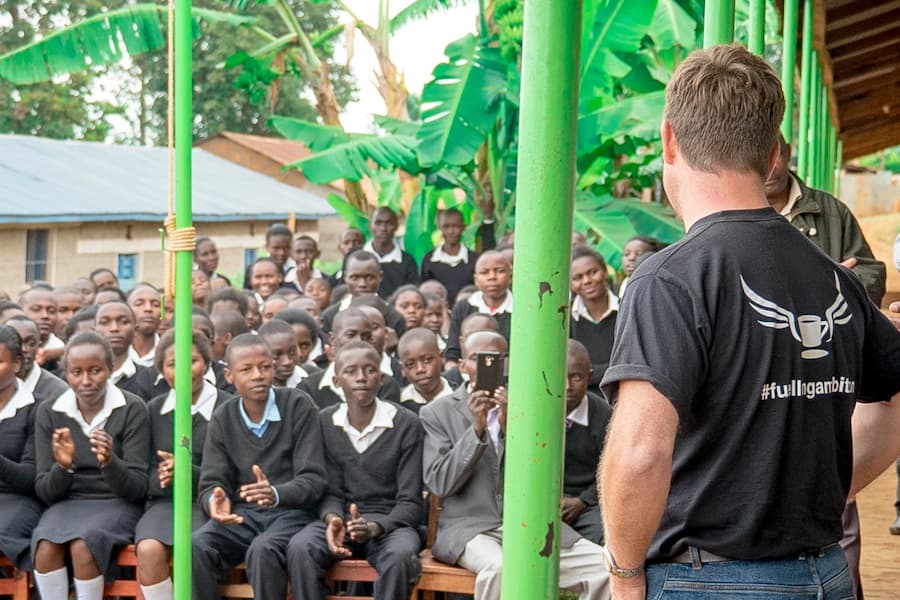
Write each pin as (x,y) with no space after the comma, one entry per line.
(894,317)
(480,402)
(501,401)
(634,588)
(335,532)
(850,262)
(102,446)
(260,492)
(361,531)
(166,468)
(572,509)
(63,447)
(220,508)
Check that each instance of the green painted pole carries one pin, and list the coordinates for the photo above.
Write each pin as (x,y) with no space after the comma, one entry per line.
(756,35)
(718,22)
(183,264)
(806,64)
(788,66)
(814,97)
(544,208)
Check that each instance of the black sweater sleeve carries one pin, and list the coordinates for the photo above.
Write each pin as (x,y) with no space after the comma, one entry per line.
(127,475)
(18,476)
(460,311)
(407,511)
(51,483)
(310,480)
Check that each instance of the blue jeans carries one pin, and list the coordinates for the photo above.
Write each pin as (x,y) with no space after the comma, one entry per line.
(811,576)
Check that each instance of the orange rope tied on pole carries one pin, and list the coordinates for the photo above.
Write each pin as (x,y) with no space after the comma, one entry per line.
(184,239)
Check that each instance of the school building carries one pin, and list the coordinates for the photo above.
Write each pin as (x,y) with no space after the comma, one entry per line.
(69,207)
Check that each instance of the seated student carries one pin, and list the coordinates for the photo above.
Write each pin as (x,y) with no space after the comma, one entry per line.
(391,317)
(362,272)
(115,323)
(104,277)
(463,464)
(306,334)
(227,325)
(39,305)
(87,288)
(350,325)
(9,309)
(145,301)
(349,240)
(285,356)
(262,477)
(434,318)
(93,447)
(304,251)
(109,294)
(390,366)
(200,288)
(272,305)
(594,308)
(253,314)
(373,507)
(41,383)
(278,246)
(633,250)
(19,509)
(493,276)
(422,364)
(68,302)
(265,279)
(206,257)
(317,355)
(409,302)
(227,299)
(471,324)
(319,290)
(153,534)
(398,266)
(451,263)
(587,416)
(83,320)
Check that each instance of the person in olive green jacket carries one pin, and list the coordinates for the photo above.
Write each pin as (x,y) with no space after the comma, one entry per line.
(827,222)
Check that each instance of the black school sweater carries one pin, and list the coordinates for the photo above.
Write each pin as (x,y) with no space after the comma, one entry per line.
(385,481)
(289,453)
(453,278)
(140,384)
(48,387)
(17,452)
(396,274)
(583,448)
(124,477)
(325,397)
(394,320)
(162,430)
(598,339)
(461,310)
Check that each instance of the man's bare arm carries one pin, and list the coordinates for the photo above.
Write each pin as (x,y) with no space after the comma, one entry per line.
(876,441)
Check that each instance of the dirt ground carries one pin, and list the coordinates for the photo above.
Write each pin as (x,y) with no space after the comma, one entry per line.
(880,563)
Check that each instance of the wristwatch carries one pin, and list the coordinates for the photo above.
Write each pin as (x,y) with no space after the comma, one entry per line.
(615,570)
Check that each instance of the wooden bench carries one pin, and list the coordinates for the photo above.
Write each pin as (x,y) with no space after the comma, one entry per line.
(13,582)
(126,587)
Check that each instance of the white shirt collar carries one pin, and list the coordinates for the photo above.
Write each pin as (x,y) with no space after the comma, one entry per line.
(395,255)
(477,300)
(128,369)
(68,405)
(450,259)
(210,375)
(794,194)
(411,393)
(204,404)
(344,304)
(385,365)
(32,380)
(54,343)
(145,360)
(579,414)
(22,398)
(580,311)
(298,375)
(291,278)
(328,382)
(317,350)
(382,420)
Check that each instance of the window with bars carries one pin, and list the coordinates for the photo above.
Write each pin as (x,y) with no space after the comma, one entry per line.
(36,252)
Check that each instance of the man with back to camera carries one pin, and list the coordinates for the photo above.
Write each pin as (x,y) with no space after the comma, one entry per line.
(741,353)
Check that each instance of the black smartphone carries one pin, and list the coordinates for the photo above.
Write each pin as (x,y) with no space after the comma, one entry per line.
(489,370)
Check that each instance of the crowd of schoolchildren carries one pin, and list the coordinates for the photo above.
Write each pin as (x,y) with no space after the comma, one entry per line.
(325,408)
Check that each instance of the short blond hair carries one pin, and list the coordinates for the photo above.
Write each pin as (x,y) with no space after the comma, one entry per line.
(725,106)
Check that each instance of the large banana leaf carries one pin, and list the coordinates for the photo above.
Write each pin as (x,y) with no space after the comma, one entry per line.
(672,26)
(103,39)
(618,26)
(349,160)
(352,215)
(316,136)
(612,229)
(421,9)
(420,222)
(638,116)
(460,105)
(392,125)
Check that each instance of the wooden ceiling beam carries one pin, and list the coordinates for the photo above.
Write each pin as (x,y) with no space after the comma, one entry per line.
(819,45)
(884,59)
(857,12)
(866,54)
(862,142)
(860,32)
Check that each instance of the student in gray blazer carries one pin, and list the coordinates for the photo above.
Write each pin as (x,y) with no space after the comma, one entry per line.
(463,463)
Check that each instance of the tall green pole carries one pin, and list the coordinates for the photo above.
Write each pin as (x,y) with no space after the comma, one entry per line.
(183,263)
(544,208)
(806,65)
(718,22)
(756,35)
(788,66)
(814,101)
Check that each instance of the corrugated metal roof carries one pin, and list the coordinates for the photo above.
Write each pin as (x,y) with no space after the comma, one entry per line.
(44,180)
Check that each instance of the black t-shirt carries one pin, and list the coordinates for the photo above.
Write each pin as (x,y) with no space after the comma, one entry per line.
(763,345)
